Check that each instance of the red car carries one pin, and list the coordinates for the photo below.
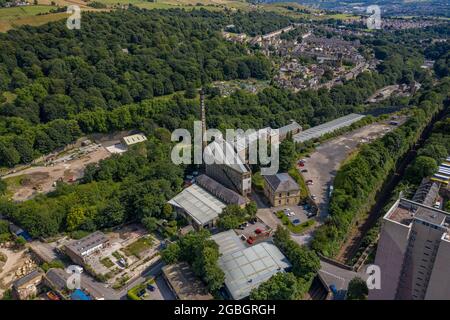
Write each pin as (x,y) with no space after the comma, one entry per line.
(301,164)
(52,296)
(258,231)
(250,240)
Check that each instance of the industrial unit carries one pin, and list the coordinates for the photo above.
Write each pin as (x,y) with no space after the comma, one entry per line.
(327,127)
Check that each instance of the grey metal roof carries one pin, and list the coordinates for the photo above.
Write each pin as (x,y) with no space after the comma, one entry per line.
(228,242)
(90,241)
(220,191)
(222,152)
(427,192)
(27,278)
(248,268)
(282,182)
(327,127)
(57,278)
(289,128)
(202,206)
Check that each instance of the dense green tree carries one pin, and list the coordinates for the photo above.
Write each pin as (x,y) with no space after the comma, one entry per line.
(288,155)
(357,289)
(422,167)
(281,286)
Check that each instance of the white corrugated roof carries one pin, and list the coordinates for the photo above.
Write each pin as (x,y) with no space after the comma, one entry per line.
(202,206)
(327,127)
(246,269)
(221,152)
(135,138)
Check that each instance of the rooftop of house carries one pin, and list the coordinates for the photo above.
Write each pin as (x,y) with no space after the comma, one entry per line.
(220,191)
(222,152)
(90,241)
(198,203)
(28,278)
(282,182)
(245,267)
(135,138)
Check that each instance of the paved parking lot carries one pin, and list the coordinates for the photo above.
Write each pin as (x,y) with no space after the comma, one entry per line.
(324,162)
(249,231)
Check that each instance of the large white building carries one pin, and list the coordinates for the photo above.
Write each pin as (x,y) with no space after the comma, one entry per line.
(198,206)
(246,267)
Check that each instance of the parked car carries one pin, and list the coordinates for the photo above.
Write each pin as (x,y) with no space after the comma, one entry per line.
(150,287)
(304,170)
(333,289)
(313,196)
(311,214)
(250,240)
(258,231)
(301,164)
(52,296)
(243,237)
(296,222)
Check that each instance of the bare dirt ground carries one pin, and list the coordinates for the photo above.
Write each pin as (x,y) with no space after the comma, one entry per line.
(26,183)
(16,261)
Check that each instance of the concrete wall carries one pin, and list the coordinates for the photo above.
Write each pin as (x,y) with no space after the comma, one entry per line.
(281,198)
(419,262)
(439,284)
(389,257)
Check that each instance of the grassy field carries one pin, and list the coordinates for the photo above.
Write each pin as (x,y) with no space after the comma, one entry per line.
(107,262)
(24,11)
(137,247)
(27,15)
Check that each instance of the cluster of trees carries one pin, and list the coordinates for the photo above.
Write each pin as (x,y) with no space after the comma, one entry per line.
(357,289)
(358,181)
(440,52)
(5,235)
(28,142)
(258,22)
(435,149)
(305,264)
(233,215)
(281,286)
(118,58)
(288,154)
(130,187)
(104,89)
(202,254)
